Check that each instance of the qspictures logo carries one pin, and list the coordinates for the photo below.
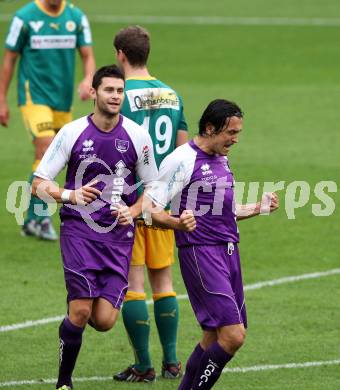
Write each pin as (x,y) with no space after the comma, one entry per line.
(295,195)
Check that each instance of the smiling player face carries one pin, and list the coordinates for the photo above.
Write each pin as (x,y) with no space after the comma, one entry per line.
(109,96)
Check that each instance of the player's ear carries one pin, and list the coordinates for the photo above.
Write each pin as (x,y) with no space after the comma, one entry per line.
(209,129)
(120,55)
(93,93)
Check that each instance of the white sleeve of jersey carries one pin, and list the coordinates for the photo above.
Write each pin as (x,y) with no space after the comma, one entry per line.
(175,173)
(58,153)
(86,30)
(14,31)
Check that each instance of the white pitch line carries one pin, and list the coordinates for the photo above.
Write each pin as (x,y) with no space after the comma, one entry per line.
(254,286)
(234,370)
(209,20)
(291,279)
(267,367)
(54,380)
(30,323)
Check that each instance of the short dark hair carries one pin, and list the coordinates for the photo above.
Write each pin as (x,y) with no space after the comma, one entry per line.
(134,42)
(218,114)
(106,71)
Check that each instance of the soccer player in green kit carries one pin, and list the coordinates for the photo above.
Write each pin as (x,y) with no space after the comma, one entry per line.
(45,35)
(159,109)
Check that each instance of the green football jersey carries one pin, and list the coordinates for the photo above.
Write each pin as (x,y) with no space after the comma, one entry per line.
(47,44)
(157,107)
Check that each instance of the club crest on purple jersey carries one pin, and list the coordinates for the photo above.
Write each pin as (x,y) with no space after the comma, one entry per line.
(122,145)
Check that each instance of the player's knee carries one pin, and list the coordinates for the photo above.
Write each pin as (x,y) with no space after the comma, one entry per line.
(209,337)
(238,339)
(104,323)
(161,280)
(80,316)
(232,341)
(107,324)
(136,279)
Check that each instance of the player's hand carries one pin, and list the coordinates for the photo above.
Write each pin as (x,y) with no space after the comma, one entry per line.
(84,90)
(124,215)
(4,113)
(270,201)
(187,221)
(85,194)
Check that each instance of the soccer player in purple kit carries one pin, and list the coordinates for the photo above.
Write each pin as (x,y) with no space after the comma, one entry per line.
(103,152)
(197,176)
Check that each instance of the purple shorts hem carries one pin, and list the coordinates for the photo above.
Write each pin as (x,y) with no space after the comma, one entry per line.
(116,304)
(204,327)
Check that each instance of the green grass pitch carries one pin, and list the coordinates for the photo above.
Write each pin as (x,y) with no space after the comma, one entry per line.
(286,78)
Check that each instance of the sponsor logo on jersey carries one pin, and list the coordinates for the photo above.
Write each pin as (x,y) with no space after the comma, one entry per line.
(146,155)
(70,25)
(88,145)
(206,169)
(53,42)
(55,26)
(152,99)
(88,157)
(129,234)
(122,145)
(36,26)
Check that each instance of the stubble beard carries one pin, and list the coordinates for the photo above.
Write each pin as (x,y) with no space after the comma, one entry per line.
(106,113)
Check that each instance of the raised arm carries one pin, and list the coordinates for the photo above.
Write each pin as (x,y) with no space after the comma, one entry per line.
(268,204)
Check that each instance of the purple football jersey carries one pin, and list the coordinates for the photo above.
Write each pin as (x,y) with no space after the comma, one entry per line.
(112,158)
(194,180)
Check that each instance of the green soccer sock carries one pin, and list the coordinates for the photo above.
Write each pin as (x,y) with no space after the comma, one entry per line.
(166,317)
(137,324)
(43,207)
